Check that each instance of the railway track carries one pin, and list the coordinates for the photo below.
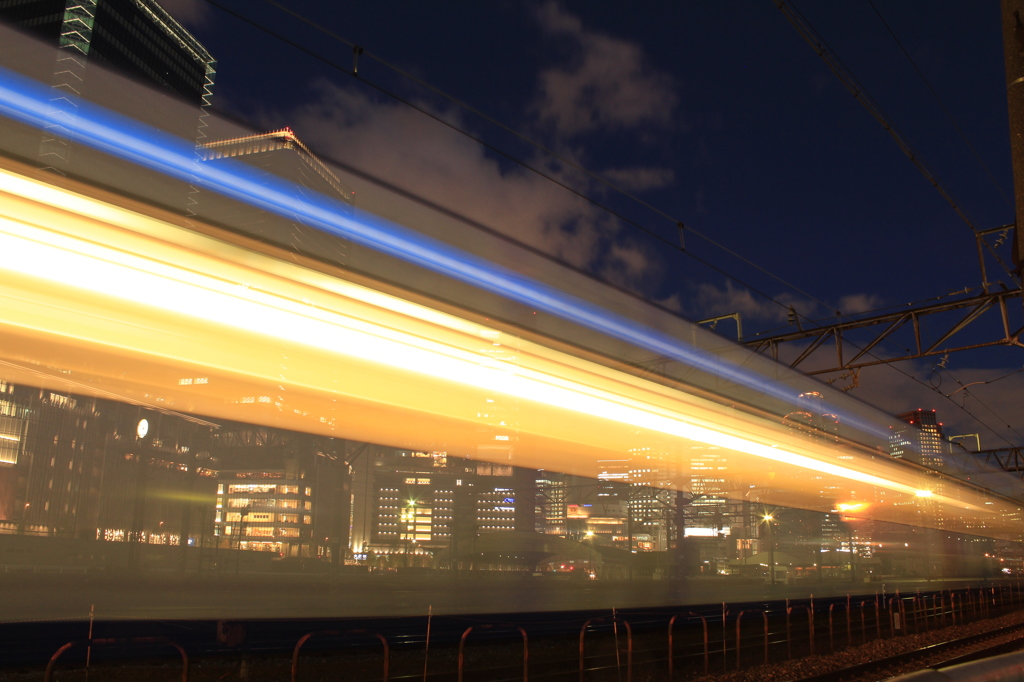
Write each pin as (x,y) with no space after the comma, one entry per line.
(942,654)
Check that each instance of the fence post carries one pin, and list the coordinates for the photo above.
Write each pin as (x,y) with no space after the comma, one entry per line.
(309,635)
(739,636)
(810,622)
(789,634)
(526,650)
(48,674)
(849,629)
(878,617)
(725,645)
(671,653)
(629,644)
(831,638)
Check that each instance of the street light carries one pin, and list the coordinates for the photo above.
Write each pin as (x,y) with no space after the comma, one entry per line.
(768,518)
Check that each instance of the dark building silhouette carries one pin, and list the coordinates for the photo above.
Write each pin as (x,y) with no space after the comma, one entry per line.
(134,36)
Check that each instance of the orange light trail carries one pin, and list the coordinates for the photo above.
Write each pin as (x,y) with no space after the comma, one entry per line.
(118,302)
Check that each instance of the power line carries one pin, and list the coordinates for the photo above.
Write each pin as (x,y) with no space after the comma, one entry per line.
(529,167)
(846,77)
(547,150)
(352,73)
(983,404)
(938,100)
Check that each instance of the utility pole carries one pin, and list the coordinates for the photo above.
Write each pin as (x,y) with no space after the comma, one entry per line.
(1013,50)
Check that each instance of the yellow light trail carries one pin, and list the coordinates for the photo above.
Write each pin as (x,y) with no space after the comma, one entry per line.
(124,289)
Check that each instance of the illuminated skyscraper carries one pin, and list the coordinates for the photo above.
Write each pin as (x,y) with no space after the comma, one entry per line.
(921,442)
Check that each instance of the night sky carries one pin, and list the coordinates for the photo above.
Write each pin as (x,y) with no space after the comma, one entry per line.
(716,113)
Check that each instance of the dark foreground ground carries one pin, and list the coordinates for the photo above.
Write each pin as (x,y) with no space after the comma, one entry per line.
(276,611)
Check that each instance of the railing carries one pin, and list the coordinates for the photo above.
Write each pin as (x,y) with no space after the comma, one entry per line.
(671,651)
(739,635)
(112,641)
(526,647)
(614,620)
(338,633)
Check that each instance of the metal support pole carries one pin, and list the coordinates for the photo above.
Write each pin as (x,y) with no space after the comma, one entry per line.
(1013,52)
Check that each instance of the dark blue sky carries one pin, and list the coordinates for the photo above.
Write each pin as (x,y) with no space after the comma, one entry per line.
(717,113)
(769,152)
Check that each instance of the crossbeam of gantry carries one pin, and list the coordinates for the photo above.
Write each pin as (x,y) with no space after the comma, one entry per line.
(884,327)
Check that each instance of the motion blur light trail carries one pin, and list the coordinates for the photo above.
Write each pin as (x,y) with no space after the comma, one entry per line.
(29,102)
(86,279)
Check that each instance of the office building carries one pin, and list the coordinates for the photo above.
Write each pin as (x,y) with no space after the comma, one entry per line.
(281,492)
(136,37)
(921,441)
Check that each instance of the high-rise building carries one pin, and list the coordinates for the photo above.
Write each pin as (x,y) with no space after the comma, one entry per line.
(280,153)
(922,441)
(551,503)
(134,36)
(653,473)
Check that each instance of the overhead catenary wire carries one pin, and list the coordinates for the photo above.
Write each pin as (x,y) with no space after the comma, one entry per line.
(846,77)
(942,105)
(404,101)
(529,167)
(561,158)
(983,404)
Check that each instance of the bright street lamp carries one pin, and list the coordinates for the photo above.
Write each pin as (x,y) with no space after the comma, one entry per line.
(768,518)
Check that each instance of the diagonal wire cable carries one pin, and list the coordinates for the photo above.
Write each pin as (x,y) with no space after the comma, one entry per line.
(544,148)
(531,168)
(827,55)
(515,160)
(983,404)
(945,110)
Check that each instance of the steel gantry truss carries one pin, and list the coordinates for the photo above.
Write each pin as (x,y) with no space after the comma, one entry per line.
(923,345)
(1007,459)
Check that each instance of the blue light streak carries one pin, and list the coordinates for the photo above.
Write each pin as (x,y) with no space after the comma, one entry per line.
(29,102)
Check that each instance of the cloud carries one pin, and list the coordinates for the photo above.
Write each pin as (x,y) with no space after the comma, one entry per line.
(639,178)
(859,303)
(966,399)
(606,83)
(415,153)
(988,409)
(188,12)
(710,300)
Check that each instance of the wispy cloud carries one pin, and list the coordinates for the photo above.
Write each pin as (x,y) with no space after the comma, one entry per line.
(640,178)
(417,154)
(854,304)
(606,83)
(708,299)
